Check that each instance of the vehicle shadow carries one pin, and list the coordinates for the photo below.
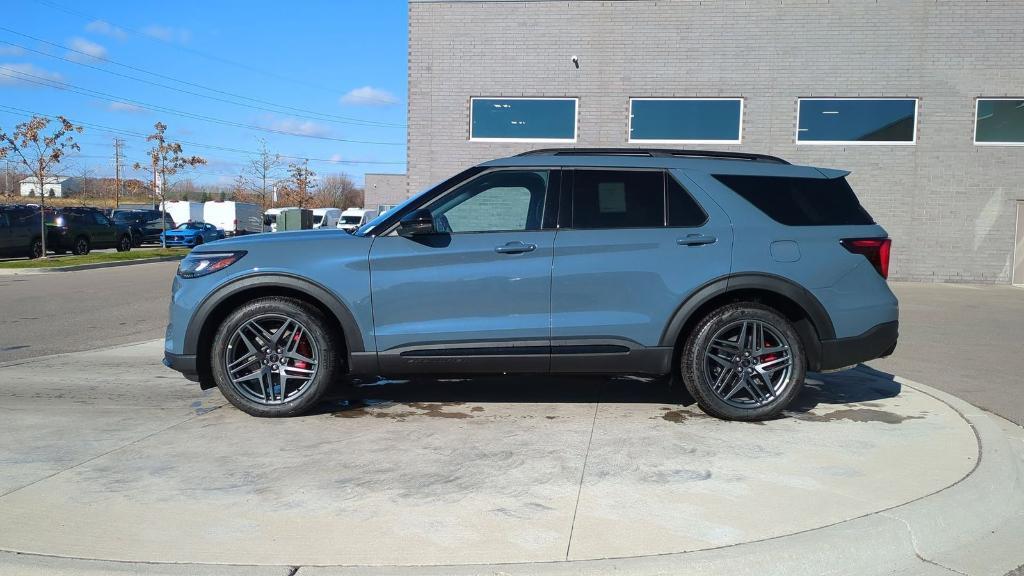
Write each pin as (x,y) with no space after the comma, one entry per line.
(858,385)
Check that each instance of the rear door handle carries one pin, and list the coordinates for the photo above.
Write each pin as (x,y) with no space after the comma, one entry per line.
(516,247)
(696,240)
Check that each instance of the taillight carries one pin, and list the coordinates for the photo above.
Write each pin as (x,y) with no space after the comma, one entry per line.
(876,250)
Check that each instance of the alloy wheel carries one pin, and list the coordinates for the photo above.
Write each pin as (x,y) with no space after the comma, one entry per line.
(748,364)
(271,359)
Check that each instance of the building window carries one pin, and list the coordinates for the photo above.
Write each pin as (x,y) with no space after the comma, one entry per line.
(685,120)
(523,119)
(856,121)
(999,122)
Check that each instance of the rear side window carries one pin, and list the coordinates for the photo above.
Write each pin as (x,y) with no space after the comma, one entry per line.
(683,210)
(618,199)
(801,201)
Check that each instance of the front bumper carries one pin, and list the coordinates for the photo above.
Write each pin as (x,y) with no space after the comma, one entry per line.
(877,342)
(186,364)
(180,241)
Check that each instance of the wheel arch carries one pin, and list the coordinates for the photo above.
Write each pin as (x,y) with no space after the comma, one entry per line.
(809,317)
(212,311)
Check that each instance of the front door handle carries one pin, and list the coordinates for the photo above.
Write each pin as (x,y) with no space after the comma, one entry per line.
(516,247)
(696,240)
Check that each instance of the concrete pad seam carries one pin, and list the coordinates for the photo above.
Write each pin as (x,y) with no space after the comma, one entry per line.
(583,473)
(98,456)
(24,361)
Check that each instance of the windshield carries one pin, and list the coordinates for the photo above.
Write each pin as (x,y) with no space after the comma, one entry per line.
(190,226)
(365,228)
(351,219)
(318,219)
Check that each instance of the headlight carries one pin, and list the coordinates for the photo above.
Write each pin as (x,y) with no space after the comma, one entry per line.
(199,264)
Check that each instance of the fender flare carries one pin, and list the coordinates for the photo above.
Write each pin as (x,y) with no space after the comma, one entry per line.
(350,329)
(817,314)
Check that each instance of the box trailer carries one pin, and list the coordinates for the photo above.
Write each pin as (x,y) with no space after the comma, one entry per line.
(234,218)
(182,211)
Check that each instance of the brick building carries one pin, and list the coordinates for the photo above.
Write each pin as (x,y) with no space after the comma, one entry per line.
(922,100)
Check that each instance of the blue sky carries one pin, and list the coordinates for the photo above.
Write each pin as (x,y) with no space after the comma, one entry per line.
(324,80)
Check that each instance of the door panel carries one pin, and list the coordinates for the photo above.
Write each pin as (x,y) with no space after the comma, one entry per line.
(475,296)
(624,284)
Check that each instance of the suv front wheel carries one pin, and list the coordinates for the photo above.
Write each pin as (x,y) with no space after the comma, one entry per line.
(274,357)
(743,361)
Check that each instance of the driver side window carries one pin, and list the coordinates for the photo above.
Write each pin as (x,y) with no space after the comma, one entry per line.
(504,201)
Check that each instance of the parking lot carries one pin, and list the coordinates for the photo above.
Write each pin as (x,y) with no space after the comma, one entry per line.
(112,457)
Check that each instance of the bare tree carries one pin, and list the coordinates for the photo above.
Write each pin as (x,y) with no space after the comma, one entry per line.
(40,154)
(340,191)
(165,159)
(264,170)
(302,183)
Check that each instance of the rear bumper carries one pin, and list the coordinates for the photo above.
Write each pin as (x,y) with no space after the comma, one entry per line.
(877,342)
(186,364)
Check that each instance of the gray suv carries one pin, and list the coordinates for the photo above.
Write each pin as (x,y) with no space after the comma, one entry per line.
(736,273)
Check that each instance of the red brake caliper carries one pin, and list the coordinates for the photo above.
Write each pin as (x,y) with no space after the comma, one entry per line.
(302,348)
(769,357)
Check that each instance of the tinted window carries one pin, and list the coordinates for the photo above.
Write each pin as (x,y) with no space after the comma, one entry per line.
(999,122)
(801,201)
(503,119)
(851,121)
(100,219)
(685,120)
(510,200)
(618,199)
(683,210)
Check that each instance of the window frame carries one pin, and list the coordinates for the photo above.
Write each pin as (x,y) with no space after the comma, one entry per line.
(575,120)
(912,142)
(629,122)
(977,106)
(549,204)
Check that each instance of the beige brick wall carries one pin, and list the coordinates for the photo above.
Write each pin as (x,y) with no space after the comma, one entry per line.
(949,205)
(384,189)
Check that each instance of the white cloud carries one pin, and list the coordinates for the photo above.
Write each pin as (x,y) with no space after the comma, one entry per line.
(105,29)
(336,157)
(86,48)
(369,96)
(8,50)
(126,107)
(295,126)
(10,75)
(168,33)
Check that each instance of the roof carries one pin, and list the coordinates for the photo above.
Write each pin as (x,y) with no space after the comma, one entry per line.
(49,179)
(709,161)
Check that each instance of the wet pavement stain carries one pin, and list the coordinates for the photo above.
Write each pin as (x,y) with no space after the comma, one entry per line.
(376,409)
(858,415)
(680,416)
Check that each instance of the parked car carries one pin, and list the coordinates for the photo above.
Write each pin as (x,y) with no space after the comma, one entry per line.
(326,217)
(192,234)
(736,273)
(145,225)
(353,218)
(81,229)
(19,231)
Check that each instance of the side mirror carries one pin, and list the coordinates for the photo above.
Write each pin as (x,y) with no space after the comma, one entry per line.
(417,223)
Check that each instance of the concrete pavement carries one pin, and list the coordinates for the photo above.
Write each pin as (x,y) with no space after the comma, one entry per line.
(113,463)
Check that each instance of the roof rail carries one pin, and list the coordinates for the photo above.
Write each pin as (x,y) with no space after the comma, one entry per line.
(655,152)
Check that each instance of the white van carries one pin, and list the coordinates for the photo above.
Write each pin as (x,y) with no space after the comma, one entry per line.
(353,218)
(326,217)
(234,218)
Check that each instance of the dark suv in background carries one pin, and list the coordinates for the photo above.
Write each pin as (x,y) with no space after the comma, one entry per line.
(145,225)
(19,231)
(80,229)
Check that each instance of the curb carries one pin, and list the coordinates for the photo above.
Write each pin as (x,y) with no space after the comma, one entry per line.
(973,526)
(75,268)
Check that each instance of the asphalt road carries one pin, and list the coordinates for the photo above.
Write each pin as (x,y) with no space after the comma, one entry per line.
(965,340)
(59,312)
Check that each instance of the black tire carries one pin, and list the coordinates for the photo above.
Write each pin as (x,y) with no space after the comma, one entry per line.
(698,370)
(35,249)
(199,240)
(125,243)
(325,344)
(81,246)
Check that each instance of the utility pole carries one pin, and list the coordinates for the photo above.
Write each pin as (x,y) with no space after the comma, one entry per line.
(118,144)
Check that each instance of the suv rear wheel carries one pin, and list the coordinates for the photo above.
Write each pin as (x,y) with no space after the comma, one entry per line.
(274,357)
(743,361)
(35,249)
(81,246)
(125,244)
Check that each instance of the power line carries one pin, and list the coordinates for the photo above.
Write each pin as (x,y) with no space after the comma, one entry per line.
(140,135)
(67,10)
(42,81)
(291,109)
